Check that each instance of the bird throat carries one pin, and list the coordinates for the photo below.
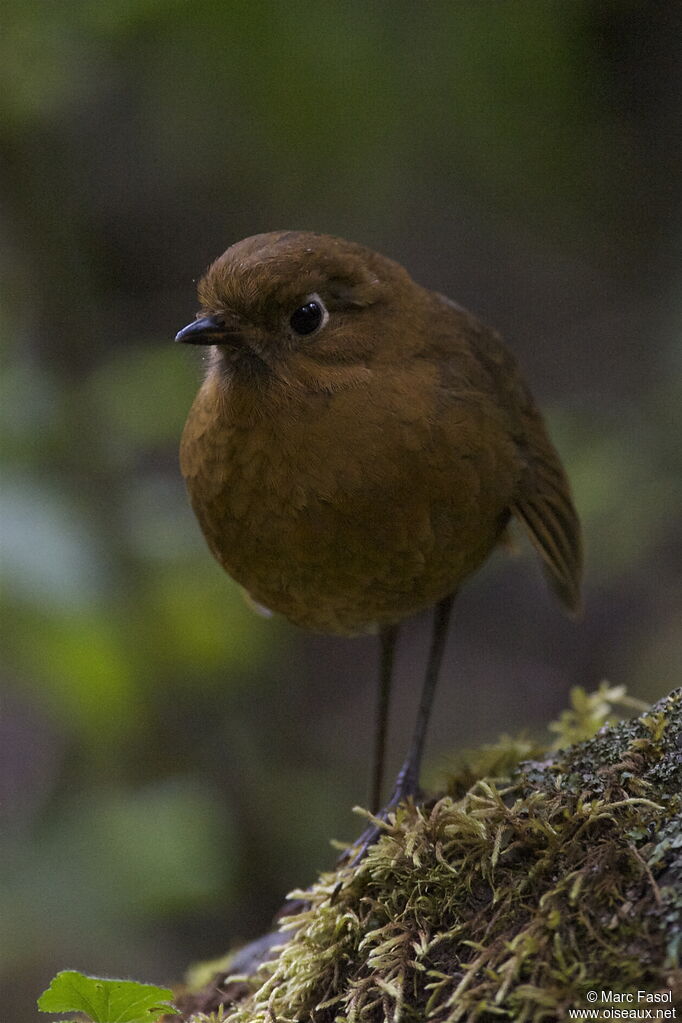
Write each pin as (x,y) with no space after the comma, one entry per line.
(240,362)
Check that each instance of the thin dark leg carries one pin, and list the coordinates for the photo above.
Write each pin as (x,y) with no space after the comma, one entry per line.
(407,782)
(388,637)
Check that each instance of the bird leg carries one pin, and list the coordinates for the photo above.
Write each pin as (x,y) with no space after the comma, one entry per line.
(407,782)
(388,637)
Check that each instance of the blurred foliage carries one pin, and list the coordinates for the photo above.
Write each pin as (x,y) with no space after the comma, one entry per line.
(157,739)
(591,711)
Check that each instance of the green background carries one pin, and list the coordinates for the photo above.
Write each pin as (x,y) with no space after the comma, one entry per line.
(171,764)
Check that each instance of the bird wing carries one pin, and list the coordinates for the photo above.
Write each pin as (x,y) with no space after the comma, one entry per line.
(542,500)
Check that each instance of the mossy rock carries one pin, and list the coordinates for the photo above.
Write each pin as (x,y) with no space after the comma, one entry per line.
(510,900)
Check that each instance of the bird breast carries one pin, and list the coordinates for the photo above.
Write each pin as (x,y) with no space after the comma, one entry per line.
(351,510)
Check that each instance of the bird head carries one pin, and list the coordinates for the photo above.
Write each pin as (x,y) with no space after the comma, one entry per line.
(296,307)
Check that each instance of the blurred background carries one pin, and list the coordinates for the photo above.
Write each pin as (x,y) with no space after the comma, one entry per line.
(170,763)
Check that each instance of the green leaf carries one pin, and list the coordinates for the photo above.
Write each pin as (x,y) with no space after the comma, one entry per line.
(106,1001)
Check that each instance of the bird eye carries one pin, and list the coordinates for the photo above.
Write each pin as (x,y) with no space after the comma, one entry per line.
(309,317)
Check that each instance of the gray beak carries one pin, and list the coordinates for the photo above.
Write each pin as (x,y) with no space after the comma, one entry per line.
(206,331)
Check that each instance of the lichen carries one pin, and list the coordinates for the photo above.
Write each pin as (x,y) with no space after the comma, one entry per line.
(508,900)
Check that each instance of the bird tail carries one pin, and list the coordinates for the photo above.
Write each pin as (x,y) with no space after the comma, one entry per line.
(546,510)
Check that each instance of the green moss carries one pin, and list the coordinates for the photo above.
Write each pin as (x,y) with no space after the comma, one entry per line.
(508,902)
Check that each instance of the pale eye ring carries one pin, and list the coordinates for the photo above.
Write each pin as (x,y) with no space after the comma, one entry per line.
(309,317)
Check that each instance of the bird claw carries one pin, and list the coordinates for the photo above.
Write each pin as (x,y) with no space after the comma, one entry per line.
(354,854)
(358,850)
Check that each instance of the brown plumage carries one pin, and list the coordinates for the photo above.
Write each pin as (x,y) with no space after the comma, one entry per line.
(360,443)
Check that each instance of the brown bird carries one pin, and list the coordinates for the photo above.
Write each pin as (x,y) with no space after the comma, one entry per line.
(359,446)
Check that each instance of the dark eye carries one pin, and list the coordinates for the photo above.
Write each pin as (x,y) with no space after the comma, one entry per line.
(307,318)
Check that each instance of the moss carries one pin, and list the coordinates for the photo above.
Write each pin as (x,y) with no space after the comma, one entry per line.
(510,900)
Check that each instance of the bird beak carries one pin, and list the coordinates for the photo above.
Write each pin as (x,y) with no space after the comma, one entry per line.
(206,331)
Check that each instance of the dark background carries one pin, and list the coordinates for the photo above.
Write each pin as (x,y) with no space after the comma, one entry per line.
(171,764)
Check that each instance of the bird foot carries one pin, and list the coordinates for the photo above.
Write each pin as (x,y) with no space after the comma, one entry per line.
(406,788)
(355,853)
